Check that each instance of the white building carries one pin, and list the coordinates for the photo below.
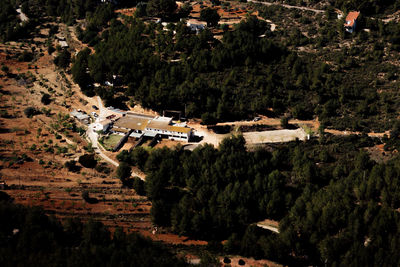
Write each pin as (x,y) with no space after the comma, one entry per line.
(164,127)
(351,21)
(102,125)
(143,125)
(196,25)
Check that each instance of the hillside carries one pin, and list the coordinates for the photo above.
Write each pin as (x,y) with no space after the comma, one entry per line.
(295,122)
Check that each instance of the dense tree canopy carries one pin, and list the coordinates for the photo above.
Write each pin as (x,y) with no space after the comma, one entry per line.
(212,193)
(368,7)
(161,8)
(160,84)
(88,161)
(30,238)
(335,209)
(209,15)
(11,27)
(79,71)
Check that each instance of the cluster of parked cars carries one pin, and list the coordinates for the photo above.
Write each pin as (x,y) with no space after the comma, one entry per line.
(94,114)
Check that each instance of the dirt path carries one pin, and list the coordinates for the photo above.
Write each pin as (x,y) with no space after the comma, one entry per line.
(393,17)
(269,225)
(93,137)
(287,6)
(273,136)
(207,135)
(372,134)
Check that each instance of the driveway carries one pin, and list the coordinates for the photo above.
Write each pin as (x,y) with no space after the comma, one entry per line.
(93,136)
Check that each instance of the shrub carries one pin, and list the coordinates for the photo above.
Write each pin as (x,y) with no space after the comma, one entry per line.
(138,185)
(71,166)
(45,99)
(88,161)
(5,69)
(25,56)
(284,122)
(63,59)
(85,195)
(123,171)
(30,112)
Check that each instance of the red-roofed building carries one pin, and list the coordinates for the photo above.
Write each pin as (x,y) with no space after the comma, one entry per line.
(351,20)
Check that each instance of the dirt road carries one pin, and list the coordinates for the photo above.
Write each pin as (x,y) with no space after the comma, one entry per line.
(269,225)
(287,6)
(372,134)
(252,138)
(93,137)
(273,136)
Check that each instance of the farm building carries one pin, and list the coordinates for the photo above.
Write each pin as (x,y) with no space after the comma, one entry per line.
(143,125)
(132,122)
(63,44)
(351,20)
(195,25)
(102,125)
(80,116)
(164,126)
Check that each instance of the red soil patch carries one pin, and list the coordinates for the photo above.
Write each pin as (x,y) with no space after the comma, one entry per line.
(126,11)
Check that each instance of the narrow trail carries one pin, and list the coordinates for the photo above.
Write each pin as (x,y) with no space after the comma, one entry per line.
(371,134)
(93,136)
(287,6)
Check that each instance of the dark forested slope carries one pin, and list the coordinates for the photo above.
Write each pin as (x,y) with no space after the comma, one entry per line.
(28,237)
(334,204)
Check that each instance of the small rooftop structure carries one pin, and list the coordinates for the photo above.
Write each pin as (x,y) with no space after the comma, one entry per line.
(196,25)
(132,121)
(160,123)
(60,37)
(102,125)
(351,19)
(80,116)
(63,44)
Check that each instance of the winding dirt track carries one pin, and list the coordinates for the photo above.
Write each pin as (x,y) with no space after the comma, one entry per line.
(287,6)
